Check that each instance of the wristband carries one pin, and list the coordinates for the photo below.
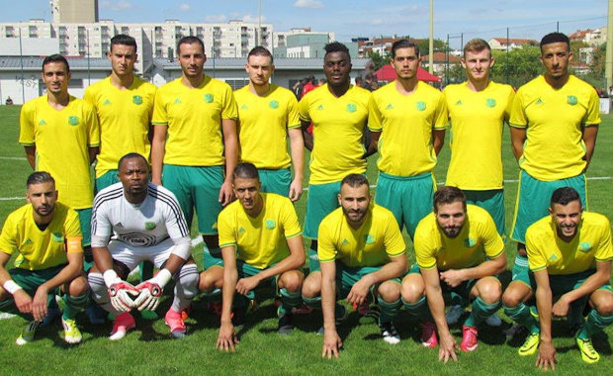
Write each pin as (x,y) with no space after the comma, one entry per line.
(11,286)
(163,277)
(110,277)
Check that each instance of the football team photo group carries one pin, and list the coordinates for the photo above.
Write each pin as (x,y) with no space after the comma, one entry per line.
(194,162)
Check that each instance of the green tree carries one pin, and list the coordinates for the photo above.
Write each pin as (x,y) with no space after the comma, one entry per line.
(378,60)
(518,66)
(424,46)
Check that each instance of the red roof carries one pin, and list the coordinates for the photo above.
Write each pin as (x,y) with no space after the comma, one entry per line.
(387,73)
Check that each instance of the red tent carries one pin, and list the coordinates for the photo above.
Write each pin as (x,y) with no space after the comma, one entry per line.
(387,73)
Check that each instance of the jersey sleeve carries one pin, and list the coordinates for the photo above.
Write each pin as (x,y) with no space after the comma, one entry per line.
(8,237)
(26,125)
(176,224)
(518,115)
(536,259)
(509,107)
(592,115)
(160,116)
(72,232)
(93,130)
(225,228)
(605,250)
(89,96)
(293,119)
(425,252)
(326,251)
(303,109)
(230,109)
(291,226)
(394,243)
(442,114)
(492,242)
(101,227)
(374,115)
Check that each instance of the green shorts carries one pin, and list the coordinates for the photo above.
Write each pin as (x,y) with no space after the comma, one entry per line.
(313,261)
(197,187)
(409,198)
(275,181)
(107,179)
(85,222)
(347,276)
(245,270)
(462,289)
(30,280)
(521,270)
(211,259)
(492,201)
(561,284)
(321,201)
(534,197)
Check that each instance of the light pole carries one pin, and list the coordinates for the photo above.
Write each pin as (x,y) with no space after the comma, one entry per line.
(431,41)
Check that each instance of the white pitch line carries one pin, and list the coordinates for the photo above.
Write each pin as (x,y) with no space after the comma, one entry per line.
(15,158)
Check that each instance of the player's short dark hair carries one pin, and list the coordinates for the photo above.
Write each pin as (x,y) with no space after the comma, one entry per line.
(124,40)
(477,45)
(56,58)
(190,40)
(132,155)
(39,177)
(337,47)
(260,51)
(404,43)
(355,180)
(564,196)
(246,170)
(448,195)
(555,38)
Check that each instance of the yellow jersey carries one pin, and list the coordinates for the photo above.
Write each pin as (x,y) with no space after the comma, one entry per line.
(373,244)
(193,117)
(554,120)
(477,240)
(263,125)
(591,244)
(476,120)
(41,249)
(259,241)
(124,117)
(406,124)
(62,140)
(338,128)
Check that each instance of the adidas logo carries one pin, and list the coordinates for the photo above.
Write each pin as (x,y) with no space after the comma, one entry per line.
(106,102)
(458,103)
(389,107)
(118,225)
(320,107)
(178,101)
(345,242)
(539,101)
(28,241)
(42,122)
(241,230)
(553,257)
(244,107)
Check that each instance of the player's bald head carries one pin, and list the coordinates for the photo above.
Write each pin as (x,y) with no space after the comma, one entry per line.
(131,156)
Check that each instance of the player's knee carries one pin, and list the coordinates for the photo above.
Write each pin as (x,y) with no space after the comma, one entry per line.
(210,280)
(78,286)
(312,285)
(291,281)
(412,290)
(491,291)
(605,306)
(389,291)
(512,297)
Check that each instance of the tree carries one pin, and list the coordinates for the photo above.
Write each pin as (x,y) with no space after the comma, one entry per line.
(379,60)
(518,66)
(424,46)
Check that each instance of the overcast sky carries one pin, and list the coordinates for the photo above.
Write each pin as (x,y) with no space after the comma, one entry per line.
(353,18)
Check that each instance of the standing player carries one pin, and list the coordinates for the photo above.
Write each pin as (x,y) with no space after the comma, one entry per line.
(194,141)
(61,136)
(146,223)
(478,109)
(554,123)
(407,122)
(569,253)
(47,238)
(261,244)
(361,252)
(268,114)
(338,111)
(457,249)
(124,104)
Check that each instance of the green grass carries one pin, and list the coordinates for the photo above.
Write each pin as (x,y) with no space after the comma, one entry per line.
(150,350)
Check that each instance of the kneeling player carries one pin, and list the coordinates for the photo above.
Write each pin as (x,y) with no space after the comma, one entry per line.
(360,249)
(569,255)
(47,237)
(261,243)
(147,225)
(458,250)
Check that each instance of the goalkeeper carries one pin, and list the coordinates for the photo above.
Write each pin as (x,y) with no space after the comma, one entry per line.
(147,224)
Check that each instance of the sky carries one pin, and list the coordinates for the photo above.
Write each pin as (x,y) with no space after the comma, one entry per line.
(460,19)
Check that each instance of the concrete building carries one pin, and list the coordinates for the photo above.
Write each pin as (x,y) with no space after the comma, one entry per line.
(20,78)
(300,43)
(501,44)
(74,11)
(592,37)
